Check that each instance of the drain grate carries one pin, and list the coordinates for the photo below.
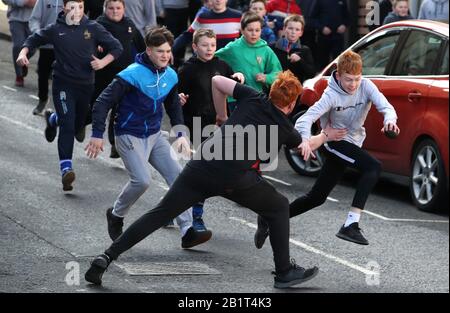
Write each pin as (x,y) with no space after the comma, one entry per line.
(172,268)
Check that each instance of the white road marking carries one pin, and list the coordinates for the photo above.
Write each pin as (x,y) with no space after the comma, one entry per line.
(35,130)
(9,88)
(332,199)
(316,251)
(402,219)
(33,97)
(276,180)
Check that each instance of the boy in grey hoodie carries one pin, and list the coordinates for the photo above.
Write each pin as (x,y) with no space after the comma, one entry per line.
(344,105)
(45,12)
(18,14)
(436,10)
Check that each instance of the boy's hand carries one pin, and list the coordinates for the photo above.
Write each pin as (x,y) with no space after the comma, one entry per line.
(221,119)
(182,146)
(94,147)
(341,29)
(239,76)
(294,58)
(326,31)
(391,127)
(183,98)
(97,64)
(260,77)
(22,59)
(334,134)
(305,150)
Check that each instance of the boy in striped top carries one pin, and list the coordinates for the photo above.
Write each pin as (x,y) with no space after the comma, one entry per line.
(225,23)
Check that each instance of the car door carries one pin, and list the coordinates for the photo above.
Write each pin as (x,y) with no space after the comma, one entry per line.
(377,53)
(406,86)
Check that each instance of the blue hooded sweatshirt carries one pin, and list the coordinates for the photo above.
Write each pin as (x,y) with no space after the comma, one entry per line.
(140,90)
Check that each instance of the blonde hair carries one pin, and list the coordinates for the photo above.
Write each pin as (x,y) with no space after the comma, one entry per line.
(203,32)
(294,18)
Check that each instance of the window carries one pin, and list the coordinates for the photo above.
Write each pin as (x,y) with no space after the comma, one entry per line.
(443,69)
(419,54)
(376,54)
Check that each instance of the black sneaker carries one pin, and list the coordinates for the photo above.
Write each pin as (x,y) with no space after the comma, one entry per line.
(262,232)
(98,266)
(352,233)
(294,276)
(67,179)
(115,224)
(114,154)
(193,238)
(81,134)
(50,130)
(198,224)
(40,107)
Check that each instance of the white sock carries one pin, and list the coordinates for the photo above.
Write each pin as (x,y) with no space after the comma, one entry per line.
(352,217)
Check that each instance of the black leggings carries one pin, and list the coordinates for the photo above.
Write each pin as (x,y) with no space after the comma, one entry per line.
(340,155)
(194,185)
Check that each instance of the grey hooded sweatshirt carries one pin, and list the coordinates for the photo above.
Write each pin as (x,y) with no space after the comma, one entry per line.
(45,12)
(436,10)
(342,110)
(17,11)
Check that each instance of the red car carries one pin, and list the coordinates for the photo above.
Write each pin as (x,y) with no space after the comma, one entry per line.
(408,61)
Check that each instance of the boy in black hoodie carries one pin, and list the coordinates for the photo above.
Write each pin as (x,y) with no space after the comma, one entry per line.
(196,94)
(292,54)
(124,30)
(75,39)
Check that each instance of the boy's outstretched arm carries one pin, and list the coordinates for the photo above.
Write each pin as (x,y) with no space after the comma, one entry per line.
(221,88)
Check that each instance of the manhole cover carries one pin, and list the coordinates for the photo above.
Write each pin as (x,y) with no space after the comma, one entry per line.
(173,268)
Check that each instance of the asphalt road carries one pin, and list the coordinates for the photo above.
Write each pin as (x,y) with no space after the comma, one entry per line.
(47,237)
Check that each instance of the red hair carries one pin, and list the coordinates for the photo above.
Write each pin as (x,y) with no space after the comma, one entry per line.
(349,62)
(285,89)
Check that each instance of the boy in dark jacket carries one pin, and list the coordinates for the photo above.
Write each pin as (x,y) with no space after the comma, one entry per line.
(124,30)
(196,93)
(140,91)
(292,54)
(75,39)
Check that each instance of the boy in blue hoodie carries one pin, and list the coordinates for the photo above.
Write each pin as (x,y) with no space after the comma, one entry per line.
(75,39)
(139,92)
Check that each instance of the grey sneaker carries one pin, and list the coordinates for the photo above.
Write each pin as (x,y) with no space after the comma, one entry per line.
(40,107)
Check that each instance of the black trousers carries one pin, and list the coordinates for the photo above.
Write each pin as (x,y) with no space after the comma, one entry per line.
(341,154)
(46,59)
(72,105)
(194,185)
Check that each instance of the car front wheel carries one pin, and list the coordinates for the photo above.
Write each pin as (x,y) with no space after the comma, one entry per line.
(428,180)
